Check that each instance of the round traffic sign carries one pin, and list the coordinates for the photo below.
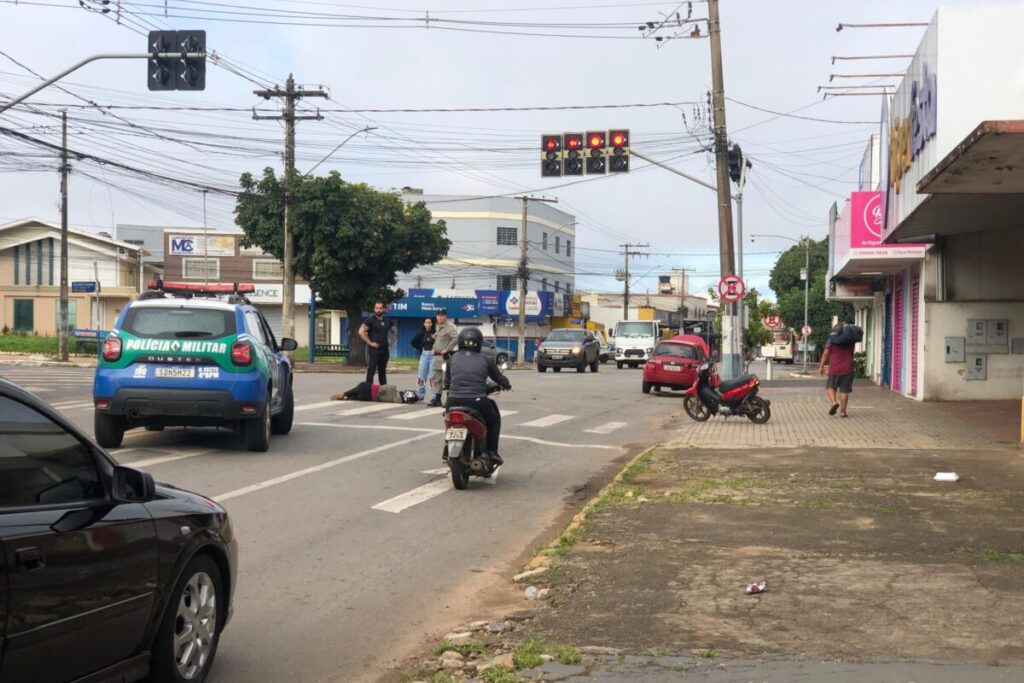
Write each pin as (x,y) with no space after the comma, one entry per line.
(731,288)
(772,322)
(806,330)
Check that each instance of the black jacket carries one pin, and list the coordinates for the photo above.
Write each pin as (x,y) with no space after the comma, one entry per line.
(466,373)
(424,340)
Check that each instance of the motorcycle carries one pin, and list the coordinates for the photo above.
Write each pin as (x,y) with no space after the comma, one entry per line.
(465,436)
(732,397)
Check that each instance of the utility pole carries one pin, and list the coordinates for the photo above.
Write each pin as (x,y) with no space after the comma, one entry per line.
(290,95)
(726,260)
(807,287)
(628,247)
(524,274)
(62,333)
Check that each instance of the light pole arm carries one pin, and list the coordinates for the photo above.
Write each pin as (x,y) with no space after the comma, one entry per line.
(139,55)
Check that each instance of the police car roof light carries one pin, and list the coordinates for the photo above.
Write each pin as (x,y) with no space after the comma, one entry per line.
(193,288)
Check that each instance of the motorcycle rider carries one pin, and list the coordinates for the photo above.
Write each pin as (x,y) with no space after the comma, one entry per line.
(465,380)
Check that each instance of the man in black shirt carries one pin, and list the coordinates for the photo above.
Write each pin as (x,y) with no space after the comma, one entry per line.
(379,334)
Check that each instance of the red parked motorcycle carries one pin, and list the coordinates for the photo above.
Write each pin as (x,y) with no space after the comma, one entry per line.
(732,397)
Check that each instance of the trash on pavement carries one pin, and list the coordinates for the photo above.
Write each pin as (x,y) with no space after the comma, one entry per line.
(531,592)
(755,588)
(947,476)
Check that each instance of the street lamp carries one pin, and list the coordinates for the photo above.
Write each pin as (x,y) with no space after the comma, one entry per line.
(805,275)
(343,143)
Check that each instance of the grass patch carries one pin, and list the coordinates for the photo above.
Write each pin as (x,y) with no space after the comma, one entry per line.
(465,649)
(529,654)
(499,674)
(421,675)
(20,343)
(1002,556)
(710,653)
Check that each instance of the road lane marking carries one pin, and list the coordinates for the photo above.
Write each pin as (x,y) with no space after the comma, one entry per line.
(366,410)
(606,428)
(317,468)
(417,414)
(394,428)
(66,405)
(314,406)
(559,444)
(418,495)
(547,421)
(159,460)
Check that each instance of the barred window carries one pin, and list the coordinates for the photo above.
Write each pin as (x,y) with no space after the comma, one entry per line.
(507,236)
(200,268)
(267,270)
(558,244)
(544,242)
(568,247)
(507,282)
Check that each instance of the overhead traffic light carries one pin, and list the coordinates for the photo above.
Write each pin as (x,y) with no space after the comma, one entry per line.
(618,141)
(550,156)
(735,163)
(178,72)
(595,155)
(573,143)
(192,70)
(163,71)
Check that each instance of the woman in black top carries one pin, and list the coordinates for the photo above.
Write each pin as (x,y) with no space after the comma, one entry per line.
(424,343)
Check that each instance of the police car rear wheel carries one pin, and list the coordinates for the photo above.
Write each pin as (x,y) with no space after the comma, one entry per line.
(109,430)
(257,431)
(282,422)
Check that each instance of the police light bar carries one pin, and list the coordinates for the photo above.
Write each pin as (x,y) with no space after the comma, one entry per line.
(195,288)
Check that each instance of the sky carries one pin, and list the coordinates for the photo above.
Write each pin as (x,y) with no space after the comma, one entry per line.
(482,54)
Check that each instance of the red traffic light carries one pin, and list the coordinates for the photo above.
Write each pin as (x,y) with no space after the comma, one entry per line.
(551,143)
(618,140)
(595,141)
(573,142)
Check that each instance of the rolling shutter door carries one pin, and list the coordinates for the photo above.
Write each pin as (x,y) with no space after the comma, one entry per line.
(272,312)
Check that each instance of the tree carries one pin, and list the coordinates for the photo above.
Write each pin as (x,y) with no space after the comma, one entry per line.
(757,335)
(785,281)
(350,240)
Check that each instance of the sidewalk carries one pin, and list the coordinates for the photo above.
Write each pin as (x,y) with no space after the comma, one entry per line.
(874,571)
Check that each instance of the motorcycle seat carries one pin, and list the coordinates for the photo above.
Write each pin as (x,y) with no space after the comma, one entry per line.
(730,384)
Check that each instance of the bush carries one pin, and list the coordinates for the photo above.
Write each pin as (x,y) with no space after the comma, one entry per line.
(28,343)
(860,364)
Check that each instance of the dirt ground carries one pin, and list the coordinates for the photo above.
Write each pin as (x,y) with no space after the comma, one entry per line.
(865,556)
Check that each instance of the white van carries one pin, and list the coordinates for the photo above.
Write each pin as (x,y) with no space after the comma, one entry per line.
(634,341)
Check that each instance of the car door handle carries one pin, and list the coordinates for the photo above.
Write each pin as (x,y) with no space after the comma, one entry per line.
(29,559)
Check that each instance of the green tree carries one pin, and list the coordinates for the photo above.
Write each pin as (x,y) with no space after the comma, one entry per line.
(789,288)
(757,335)
(350,240)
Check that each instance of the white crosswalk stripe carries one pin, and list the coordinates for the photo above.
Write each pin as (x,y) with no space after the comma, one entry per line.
(606,428)
(417,414)
(314,406)
(547,421)
(366,410)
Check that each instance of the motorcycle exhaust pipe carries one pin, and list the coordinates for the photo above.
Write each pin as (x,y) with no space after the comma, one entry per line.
(477,466)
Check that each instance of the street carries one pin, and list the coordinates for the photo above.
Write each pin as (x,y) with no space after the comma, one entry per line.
(353,544)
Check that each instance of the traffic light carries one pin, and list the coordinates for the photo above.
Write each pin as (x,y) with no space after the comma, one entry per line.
(573,149)
(595,156)
(735,163)
(550,156)
(177,72)
(618,140)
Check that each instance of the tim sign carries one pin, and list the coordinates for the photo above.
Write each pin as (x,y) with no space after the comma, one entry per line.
(866,219)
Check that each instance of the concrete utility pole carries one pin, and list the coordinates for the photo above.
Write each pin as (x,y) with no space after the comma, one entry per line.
(290,95)
(807,288)
(628,247)
(62,333)
(524,273)
(726,260)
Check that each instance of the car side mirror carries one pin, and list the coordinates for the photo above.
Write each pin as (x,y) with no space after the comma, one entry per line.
(288,344)
(132,486)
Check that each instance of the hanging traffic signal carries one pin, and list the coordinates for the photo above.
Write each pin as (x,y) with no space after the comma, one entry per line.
(192,70)
(735,163)
(595,155)
(618,140)
(178,72)
(572,154)
(162,72)
(551,156)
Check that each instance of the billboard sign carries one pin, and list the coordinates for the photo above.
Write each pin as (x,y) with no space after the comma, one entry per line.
(201,245)
(867,219)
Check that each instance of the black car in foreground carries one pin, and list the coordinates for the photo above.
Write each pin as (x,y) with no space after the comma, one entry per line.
(104,575)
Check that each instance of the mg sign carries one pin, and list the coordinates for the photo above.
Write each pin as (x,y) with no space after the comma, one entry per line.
(183,246)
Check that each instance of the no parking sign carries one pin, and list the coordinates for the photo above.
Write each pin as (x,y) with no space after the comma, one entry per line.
(731,288)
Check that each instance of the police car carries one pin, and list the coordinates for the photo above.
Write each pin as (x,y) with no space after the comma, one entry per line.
(193,355)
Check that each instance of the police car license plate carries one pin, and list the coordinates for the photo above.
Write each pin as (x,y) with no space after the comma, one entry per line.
(177,373)
(455,434)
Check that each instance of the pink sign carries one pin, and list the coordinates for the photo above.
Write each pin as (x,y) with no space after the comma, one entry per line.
(866,219)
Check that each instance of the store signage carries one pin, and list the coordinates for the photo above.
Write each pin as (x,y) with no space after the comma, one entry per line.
(412,307)
(866,219)
(908,135)
(83,287)
(488,302)
(202,245)
(534,306)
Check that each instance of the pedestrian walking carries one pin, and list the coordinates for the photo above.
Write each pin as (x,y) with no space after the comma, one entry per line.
(446,340)
(424,343)
(839,357)
(379,334)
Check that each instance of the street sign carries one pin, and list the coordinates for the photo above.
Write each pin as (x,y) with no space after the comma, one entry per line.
(731,288)
(806,330)
(772,322)
(83,287)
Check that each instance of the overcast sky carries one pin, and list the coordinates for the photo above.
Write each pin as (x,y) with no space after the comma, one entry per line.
(776,54)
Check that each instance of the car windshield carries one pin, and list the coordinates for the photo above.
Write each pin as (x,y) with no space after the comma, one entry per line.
(566,336)
(676,351)
(179,323)
(637,329)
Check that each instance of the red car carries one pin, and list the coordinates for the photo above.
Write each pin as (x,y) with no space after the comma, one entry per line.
(674,363)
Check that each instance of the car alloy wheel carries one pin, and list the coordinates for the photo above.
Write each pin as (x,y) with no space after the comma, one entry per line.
(195,626)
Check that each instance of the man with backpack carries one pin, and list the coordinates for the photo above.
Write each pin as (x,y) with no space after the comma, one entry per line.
(842,340)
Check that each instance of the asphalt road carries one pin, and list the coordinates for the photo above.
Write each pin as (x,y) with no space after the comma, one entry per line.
(353,544)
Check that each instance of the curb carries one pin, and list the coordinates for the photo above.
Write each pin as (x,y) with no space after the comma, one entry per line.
(543,560)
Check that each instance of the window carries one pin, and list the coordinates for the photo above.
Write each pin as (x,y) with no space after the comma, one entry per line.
(267,270)
(507,282)
(507,236)
(200,269)
(568,288)
(72,315)
(544,242)
(568,247)
(544,285)
(677,351)
(40,462)
(137,243)
(558,287)
(24,315)
(252,321)
(251,251)
(179,323)
(558,243)
(566,335)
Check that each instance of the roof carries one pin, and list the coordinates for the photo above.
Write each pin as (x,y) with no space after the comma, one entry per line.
(28,222)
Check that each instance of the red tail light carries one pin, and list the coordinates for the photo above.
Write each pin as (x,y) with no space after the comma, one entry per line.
(112,349)
(241,353)
(456,417)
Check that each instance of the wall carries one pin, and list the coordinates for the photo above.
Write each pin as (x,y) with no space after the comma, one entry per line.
(984,265)
(945,381)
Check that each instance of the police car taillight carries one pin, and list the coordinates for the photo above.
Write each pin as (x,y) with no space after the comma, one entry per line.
(241,353)
(111,349)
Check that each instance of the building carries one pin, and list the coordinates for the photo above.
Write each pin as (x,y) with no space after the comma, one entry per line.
(932,256)
(30,277)
(485,249)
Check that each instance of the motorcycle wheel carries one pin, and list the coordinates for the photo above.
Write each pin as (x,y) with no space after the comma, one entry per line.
(460,471)
(758,410)
(695,409)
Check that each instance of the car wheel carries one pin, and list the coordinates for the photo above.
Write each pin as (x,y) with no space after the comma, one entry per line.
(646,387)
(190,630)
(557,369)
(282,422)
(593,366)
(542,368)
(109,430)
(618,364)
(582,367)
(501,358)
(257,431)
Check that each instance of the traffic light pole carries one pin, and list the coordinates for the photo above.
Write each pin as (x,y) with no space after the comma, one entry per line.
(62,333)
(137,55)
(524,274)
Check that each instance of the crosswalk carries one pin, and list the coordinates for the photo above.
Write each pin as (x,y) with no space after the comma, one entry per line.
(48,380)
